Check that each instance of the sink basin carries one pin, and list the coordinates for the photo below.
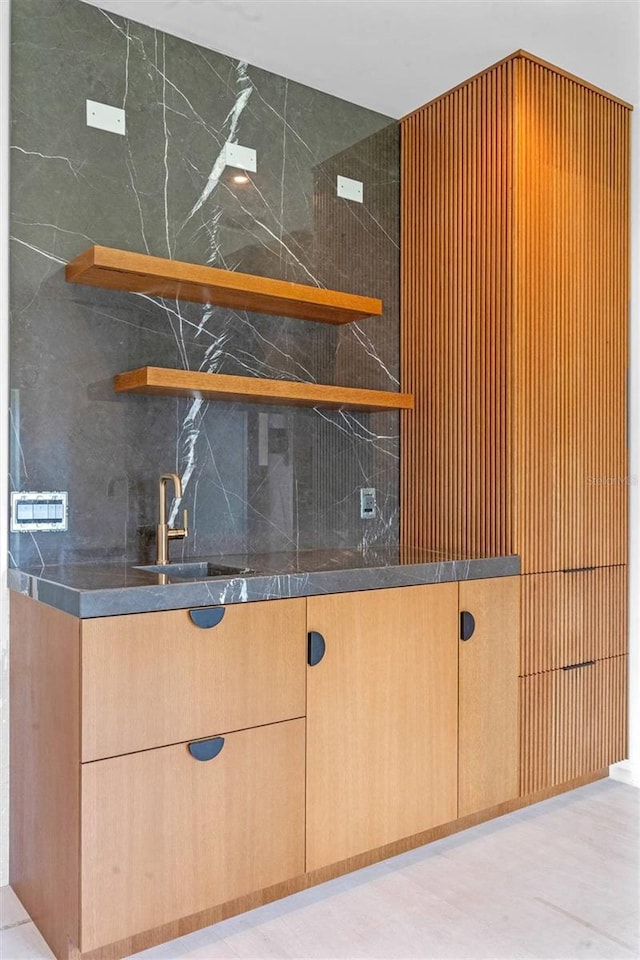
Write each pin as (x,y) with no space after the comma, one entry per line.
(198,570)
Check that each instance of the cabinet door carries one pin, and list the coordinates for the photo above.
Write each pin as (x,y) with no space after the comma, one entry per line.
(150,679)
(488,705)
(165,835)
(381,718)
(574,722)
(571,316)
(572,617)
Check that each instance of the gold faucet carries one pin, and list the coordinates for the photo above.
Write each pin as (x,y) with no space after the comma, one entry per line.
(164,532)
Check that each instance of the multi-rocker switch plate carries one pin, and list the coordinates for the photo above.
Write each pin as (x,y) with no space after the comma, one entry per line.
(46,510)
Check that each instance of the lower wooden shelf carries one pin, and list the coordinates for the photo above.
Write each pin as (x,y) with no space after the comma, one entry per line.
(163,381)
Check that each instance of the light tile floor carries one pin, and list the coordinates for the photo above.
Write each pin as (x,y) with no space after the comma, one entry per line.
(556,880)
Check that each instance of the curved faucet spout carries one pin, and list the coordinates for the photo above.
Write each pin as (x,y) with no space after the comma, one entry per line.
(164,532)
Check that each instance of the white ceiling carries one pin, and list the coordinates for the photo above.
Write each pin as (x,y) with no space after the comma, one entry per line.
(394,55)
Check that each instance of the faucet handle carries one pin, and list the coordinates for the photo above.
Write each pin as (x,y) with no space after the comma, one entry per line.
(179,533)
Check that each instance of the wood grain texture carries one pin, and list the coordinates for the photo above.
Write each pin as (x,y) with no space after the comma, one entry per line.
(457,319)
(524,55)
(571,311)
(44,769)
(162,381)
(151,679)
(381,719)
(488,741)
(515,276)
(568,618)
(165,836)
(205,918)
(572,722)
(139,273)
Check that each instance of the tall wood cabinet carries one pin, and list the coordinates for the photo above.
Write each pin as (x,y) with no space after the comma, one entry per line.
(515,287)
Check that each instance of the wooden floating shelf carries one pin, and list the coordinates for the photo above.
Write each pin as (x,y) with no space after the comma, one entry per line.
(140,273)
(161,381)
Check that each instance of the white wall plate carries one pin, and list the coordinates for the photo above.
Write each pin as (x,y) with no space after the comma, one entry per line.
(104,117)
(350,189)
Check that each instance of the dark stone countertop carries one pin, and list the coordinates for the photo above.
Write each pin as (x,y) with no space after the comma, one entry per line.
(104,589)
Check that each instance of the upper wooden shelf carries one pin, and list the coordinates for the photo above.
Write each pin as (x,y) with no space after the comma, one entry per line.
(220,386)
(140,273)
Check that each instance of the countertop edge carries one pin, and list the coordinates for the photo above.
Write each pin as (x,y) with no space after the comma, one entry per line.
(122,600)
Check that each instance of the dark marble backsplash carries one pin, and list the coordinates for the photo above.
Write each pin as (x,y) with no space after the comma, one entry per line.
(255,478)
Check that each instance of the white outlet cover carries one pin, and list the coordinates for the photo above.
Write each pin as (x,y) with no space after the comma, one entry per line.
(244,158)
(350,189)
(104,117)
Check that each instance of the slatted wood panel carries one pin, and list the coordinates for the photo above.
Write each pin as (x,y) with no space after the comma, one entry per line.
(457,302)
(568,618)
(572,722)
(514,294)
(571,302)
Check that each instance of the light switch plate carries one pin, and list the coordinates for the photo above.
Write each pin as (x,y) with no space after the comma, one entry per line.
(244,158)
(367,502)
(104,117)
(44,510)
(350,189)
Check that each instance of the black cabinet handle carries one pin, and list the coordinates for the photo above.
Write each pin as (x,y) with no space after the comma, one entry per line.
(316,648)
(579,666)
(206,749)
(467,625)
(207,617)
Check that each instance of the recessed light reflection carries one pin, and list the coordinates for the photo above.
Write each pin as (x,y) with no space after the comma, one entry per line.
(240,178)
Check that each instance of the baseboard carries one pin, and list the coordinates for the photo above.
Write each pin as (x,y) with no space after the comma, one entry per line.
(626,772)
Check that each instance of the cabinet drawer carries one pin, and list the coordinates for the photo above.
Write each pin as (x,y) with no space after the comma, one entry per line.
(573,722)
(165,835)
(153,679)
(572,617)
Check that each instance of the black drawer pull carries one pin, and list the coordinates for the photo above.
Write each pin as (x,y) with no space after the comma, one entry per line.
(207,617)
(579,666)
(467,625)
(316,648)
(206,749)
(578,569)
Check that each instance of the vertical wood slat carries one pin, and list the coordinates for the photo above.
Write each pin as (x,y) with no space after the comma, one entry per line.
(568,618)
(572,722)
(456,294)
(571,298)
(515,281)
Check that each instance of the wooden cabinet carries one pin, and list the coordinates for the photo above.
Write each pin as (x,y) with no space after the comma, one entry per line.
(151,679)
(165,835)
(381,718)
(515,293)
(105,849)
(488,695)
(573,722)
(408,726)
(164,775)
(573,668)
(568,618)
(515,289)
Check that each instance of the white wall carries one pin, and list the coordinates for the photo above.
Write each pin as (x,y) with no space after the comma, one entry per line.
(395,55)
(563,32)
(4,441)
(629,771)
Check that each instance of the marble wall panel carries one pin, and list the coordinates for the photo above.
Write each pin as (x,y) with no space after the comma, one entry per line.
(257,478)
